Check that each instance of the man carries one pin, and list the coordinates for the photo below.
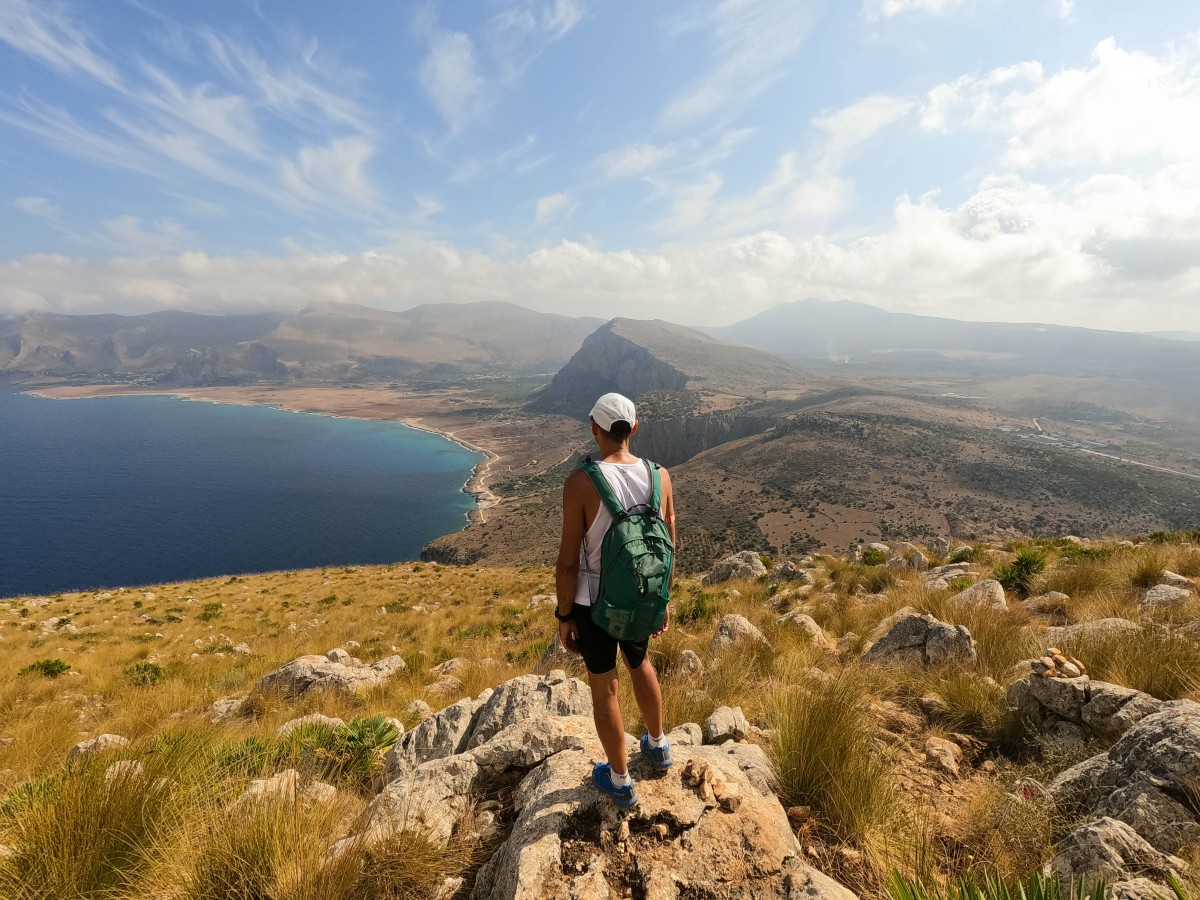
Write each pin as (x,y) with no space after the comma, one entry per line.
(585,521)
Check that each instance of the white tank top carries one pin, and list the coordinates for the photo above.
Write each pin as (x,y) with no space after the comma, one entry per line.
(633,487)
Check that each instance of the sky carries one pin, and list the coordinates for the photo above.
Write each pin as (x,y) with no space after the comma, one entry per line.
(700,161)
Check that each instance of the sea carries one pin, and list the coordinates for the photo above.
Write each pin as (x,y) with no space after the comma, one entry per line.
(130,491)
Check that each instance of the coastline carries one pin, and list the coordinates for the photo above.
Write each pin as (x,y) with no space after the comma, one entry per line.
(478,484)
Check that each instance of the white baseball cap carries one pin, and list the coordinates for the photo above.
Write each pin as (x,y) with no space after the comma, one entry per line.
(613,408)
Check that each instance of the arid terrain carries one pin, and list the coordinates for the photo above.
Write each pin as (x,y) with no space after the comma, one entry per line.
(398,731)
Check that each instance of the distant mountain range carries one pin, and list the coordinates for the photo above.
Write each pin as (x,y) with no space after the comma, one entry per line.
(861,335)
(342,342)
(332,341)
(1176,335)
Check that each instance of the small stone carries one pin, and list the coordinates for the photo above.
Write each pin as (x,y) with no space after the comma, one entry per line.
(690,664)
(101,744)
(725,724)
(799,815)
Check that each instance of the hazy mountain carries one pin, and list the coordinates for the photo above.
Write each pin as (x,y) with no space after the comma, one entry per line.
(859,334)
(52,344)
(1175,335)
(654,357)
(336,341)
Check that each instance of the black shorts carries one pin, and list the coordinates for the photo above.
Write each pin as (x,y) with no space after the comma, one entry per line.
(599,648)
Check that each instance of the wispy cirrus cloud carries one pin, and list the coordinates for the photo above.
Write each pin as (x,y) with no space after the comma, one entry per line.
(751,43)
(464,76)
(157,124)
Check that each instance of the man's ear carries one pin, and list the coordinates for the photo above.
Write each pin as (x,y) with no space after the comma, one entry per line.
(634,429)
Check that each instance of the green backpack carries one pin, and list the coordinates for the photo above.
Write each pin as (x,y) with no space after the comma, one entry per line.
(636,558)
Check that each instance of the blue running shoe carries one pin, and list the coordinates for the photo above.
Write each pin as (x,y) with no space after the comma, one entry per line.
(624,798)
(660,757)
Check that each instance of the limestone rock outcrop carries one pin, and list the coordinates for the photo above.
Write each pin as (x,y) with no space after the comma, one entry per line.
(922,639)
(742,566)
(336,671)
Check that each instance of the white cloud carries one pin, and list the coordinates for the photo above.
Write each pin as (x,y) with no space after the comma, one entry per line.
(635,160)
(332,173)
(45,31)
(854,125)
(158,125)
(752,42)
(450,77)
(38,207)
(1127,105)
(1111,251)
(885,9)
(163,236)
(553,206)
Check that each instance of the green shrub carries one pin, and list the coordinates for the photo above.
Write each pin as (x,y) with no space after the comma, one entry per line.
(988,887)
(963,555)
(143,674)
(874,557)
(1017,576)
(698,606)
(211,611)
(47,668)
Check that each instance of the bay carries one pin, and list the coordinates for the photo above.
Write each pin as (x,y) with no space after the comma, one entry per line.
(124,491)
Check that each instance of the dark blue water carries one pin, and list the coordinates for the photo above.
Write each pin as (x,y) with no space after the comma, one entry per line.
(140,490)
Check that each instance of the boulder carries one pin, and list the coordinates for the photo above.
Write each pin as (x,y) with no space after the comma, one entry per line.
(344,675)
(1160,753)
(224,710)
(734,629)
(455,666)
(311,720)
(556,656)
(1101,710)
(442,734)
(125,770)
(1110,850)
(726,724)
(742,566)
(943,755)
(790,572)
(918,561)
(444,688)
(724,837)
(1174,579)
(286,787)
(988,594)
(104,743)
(938,546)
(1085,631)
(690,664)
(922,639)
(526,697)
(419,709)
(1165,596)
(809,626)
(949,572)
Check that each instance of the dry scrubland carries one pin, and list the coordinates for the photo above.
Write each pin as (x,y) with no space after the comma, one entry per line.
(849,741)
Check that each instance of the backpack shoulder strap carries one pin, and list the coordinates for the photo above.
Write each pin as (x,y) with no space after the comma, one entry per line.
(607,496)
(655,485)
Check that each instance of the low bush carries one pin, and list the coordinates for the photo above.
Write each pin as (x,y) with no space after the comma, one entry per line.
(874,557)
(143,674)
(47,668)
(1017,576)
(989,887)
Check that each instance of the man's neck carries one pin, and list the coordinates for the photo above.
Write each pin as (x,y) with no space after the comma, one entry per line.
(615,453)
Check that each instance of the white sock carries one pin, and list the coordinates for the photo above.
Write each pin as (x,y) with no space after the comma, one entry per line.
(656,742)
(621,781)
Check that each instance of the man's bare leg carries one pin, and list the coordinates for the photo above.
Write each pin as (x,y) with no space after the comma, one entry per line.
(606,712)
(649,696)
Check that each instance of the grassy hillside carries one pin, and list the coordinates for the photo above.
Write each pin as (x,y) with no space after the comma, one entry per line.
(847,740)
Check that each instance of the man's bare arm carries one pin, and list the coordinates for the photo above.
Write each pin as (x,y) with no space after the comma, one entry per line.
(566,571)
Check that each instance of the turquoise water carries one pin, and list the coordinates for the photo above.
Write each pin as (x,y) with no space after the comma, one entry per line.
(139,490)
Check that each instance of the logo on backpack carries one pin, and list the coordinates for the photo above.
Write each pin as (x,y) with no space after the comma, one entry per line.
(636,558)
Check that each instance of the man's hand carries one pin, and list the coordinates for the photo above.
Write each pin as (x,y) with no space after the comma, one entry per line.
(568,633)
(666,625)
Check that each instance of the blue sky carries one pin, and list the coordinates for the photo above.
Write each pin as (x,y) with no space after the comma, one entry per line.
(1020,160)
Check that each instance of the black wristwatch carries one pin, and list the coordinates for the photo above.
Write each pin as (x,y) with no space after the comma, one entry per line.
(567,618)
